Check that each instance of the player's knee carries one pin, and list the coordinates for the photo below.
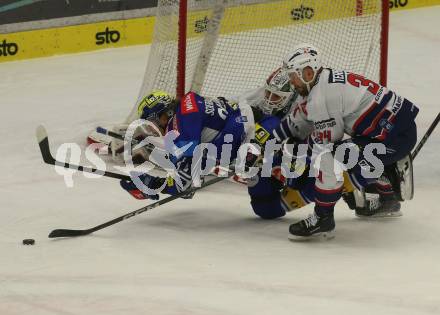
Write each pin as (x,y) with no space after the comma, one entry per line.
(268,207)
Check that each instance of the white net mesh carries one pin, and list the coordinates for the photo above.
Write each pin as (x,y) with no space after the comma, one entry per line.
(253,36)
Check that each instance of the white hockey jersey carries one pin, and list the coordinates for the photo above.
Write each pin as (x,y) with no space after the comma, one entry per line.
(346,103)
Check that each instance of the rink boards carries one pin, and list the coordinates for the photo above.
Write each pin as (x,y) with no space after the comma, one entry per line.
(138,31)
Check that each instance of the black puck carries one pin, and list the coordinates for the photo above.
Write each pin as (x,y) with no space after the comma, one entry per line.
(29,241)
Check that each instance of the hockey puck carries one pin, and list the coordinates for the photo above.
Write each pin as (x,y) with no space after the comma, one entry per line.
(29,241)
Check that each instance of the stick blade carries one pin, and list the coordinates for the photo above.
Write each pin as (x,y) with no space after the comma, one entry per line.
(67,233)
(43,143)
(41,133)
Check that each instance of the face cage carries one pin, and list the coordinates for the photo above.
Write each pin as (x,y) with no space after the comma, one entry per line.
(269,106)
(154,118)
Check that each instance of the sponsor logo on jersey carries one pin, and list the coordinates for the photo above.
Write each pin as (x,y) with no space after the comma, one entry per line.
(8,49)
(302,13)
(397,105)
(385,124)
(397,3)
(379,94)
(325,124)
(107,37)
(337,77)
(209,107)
(189,104)
(241,119)
(261,134)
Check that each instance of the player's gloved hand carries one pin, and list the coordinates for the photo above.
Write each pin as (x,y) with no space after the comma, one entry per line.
(184,171)
(253,156)
(227,104)
(149,181)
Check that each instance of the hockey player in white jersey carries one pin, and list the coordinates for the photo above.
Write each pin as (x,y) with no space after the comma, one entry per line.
(272,197)
(338,103)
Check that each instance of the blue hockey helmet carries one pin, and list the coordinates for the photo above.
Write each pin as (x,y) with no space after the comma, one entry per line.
(155,104)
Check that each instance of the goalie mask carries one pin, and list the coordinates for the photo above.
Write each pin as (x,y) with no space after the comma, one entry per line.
(153,106)
(277,92)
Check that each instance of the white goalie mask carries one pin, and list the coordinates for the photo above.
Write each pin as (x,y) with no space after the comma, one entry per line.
(277,92)
(302,56)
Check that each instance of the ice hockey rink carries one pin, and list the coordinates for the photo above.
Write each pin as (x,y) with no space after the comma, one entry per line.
(208,255)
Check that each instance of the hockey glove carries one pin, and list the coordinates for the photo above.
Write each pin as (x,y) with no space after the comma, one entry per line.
(149,181)
(253,156)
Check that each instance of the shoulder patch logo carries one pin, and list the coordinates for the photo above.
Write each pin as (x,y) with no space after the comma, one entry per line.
(189,104)
(337,77)
(241,119)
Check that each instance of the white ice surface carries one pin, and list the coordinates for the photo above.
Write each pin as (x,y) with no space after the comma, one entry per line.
(209,255)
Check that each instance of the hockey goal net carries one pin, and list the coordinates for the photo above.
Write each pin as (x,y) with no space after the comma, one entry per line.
(225,47)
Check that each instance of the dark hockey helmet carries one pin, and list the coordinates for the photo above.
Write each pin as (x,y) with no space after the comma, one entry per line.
(155,104)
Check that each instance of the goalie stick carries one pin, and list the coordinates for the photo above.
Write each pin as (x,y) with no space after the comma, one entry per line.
(43,142)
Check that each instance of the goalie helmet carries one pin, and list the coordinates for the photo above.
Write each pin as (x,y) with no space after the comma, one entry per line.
(277,92)
(302,56)
(155,104)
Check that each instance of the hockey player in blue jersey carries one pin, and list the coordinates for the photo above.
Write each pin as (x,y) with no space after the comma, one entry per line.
(195,120)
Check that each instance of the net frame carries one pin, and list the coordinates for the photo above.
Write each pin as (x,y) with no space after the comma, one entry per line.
(188,78)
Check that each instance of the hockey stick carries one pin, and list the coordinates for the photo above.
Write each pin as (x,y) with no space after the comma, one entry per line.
(71,233)
(43,142)
(112,134)
(425,137)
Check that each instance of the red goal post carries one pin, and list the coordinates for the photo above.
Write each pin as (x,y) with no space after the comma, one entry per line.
(225,47)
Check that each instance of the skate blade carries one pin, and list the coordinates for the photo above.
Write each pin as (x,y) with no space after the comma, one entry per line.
(322,236)
(394,214)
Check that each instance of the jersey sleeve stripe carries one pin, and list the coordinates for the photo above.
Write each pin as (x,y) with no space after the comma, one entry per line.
(328,191)
(363,116)
(367,118)
(374,123)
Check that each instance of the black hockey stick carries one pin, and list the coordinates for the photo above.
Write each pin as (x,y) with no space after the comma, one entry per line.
(43,142)
(71,233)
(112,134)
(426,136)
